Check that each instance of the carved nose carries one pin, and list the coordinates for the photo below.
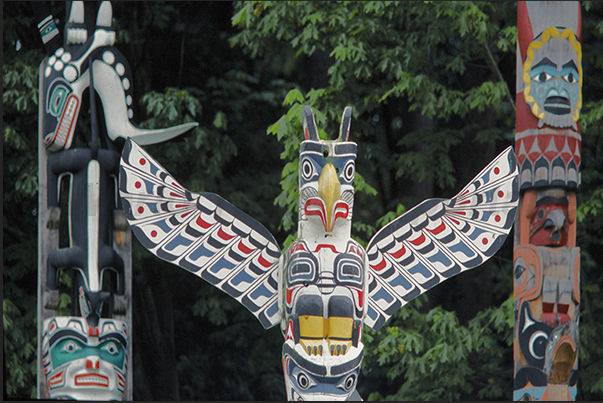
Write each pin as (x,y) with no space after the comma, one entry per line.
(93,363)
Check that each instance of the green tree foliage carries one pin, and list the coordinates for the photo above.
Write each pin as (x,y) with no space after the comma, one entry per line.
(431,85)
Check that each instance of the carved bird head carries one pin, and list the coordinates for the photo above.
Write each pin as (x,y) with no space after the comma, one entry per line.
(326,178)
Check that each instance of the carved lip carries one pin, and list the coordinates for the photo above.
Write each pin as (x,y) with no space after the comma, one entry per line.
(557,105)
(91,380)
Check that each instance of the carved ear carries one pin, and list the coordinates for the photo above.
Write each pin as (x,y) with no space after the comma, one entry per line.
(344,127)
(309,125)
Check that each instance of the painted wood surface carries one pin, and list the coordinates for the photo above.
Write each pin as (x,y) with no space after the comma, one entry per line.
(548,144)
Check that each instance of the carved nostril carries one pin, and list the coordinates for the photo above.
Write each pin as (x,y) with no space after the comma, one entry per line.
(88,364)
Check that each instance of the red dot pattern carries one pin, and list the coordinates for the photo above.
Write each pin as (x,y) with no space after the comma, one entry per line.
(153,233)
(496,171)
(141,210)
(137,185)
(142,161)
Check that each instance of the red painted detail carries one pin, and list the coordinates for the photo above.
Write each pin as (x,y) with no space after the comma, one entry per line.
(379,266)
(496,171)
(56,379)
(185,214)
(176,195)
(88,364)
(459,212)
(298,247)
(465,202)
(142,161)
(325,246)
(549,318)
(223,235)
(501,193)
(289,334)
(399,253)
(316,206)
(340,206)
(497,218)
(52,326)
(175,184)
(438,229)
(419,240)
(153,233)
(138,185)
(360,297)
(140,210)
(243,248)
(485,241)
(548,306)
(289,294)
(180,205)
(454,221)
(93,331)
(263,261)
(202,223)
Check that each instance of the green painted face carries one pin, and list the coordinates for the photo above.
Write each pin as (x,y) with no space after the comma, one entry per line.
(71,348)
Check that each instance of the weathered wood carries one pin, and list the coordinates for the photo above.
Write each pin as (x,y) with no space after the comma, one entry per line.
(548,145)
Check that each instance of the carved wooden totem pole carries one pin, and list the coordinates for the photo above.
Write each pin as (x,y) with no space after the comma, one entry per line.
(84,355)
(548,144)
(324,288)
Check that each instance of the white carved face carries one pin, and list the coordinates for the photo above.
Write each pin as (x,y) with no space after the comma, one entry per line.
(82,362)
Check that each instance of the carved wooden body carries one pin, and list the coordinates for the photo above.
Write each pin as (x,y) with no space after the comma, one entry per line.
(548,143)
(324,288)
(85,355)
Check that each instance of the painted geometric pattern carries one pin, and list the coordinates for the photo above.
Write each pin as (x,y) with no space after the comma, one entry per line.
(440,238)
(201,232)
(548,158)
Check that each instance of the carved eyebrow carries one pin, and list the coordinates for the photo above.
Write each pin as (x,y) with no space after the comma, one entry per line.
(570,64)
(545,62)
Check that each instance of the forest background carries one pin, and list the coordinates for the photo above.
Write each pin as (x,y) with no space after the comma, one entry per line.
(432,85)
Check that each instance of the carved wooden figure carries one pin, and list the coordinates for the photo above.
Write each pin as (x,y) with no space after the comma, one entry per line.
(85,355)
(548,143)
(324,288)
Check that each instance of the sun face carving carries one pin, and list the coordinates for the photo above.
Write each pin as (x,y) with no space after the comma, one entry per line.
(552,73)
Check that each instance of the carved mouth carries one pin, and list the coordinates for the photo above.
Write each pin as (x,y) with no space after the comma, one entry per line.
(557,105)
(91,380)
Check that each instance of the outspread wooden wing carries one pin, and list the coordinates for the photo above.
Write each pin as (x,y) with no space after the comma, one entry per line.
(440,238)
(202,233)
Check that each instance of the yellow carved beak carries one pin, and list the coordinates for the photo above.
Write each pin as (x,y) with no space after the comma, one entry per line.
(329,190)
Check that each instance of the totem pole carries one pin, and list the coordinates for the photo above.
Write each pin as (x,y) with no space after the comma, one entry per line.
(84,355)
(548,144)
(324,287)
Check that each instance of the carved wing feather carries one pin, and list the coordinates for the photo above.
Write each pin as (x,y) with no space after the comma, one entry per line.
(202,233)
(440,238)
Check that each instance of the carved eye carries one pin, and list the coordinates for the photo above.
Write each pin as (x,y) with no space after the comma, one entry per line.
(70,347)
(111,348)
(349,382)
(307,169)
(570,78)
(303,381)
(541,77)
(349,171)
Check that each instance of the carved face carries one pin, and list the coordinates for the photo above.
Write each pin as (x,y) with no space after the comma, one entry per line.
(317,377)
(326,172)
(552,73)
(82,362)
(548,226)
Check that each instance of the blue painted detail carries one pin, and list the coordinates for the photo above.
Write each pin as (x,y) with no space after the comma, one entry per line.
(464,249)
(223,263)
(200,251)
(179,240)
